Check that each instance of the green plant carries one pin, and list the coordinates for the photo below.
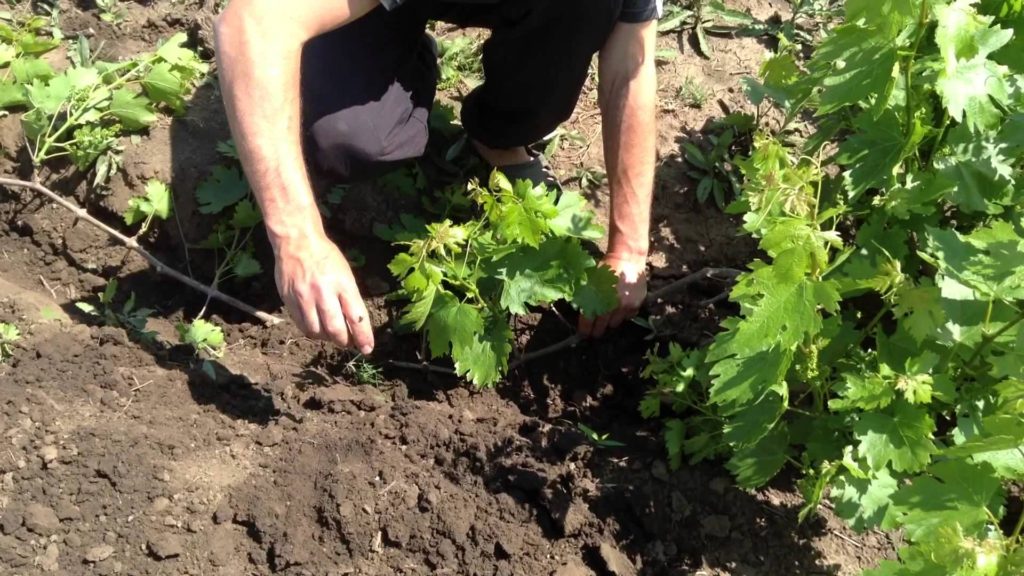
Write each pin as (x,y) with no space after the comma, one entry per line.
(205,337)
(879,347)
(713,170)
(364,372)
(601,440)
(110,11)
(225,192)
(459,61)
(156,203)
(81,112)
(9,334)
(132,319)
(523,249)
(692,93)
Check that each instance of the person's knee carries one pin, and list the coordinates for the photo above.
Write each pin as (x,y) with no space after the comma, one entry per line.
(352,142)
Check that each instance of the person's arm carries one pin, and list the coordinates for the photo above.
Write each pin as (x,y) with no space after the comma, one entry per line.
(627,91)
(259,45)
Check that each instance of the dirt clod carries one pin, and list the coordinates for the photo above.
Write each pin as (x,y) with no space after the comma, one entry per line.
(41,519)
(165,546)
(617,562)
(99,553)
(49,561)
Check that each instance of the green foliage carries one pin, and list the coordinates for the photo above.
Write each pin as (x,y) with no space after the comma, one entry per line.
(9,334)
(157,203)
(132,319)
(524,248)
(226,195)
(878,344)
(713,168)
(599,439)
(459,61)
(205,337)
(81,112)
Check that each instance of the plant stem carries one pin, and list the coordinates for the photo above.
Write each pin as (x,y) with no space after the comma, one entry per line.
(989,339)
(716,273)
(922,25)
(134,246)
(1015,535)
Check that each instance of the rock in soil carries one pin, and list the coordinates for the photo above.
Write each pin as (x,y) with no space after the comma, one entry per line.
(99,553)
(41,520)
(166,546)
(48,561)
(616,561)
(717,526)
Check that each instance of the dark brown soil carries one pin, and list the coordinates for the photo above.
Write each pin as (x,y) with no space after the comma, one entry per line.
(125,458)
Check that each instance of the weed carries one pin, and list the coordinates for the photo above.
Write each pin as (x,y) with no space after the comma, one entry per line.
(597,438)
(132,319)
(692,93)
(9,334)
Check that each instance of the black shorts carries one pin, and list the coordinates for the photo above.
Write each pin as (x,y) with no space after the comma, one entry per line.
(368,87)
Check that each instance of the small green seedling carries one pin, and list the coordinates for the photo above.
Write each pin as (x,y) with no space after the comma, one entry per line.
(460,63)
(226,192)
(155,204)
(597,438)
(205,337)
(110,11)
(9,334)
(129,317)
(364,372)
(692,93)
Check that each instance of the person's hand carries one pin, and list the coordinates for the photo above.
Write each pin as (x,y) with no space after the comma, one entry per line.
(316,283)
(632,274)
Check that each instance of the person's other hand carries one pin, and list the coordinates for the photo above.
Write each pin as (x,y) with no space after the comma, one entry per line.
(632,274)
(319,291)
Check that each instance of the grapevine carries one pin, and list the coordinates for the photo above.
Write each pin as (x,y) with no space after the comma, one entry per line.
(879,346)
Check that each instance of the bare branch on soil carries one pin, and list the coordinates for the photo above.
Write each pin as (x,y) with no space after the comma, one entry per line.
(724,274)
(134,246)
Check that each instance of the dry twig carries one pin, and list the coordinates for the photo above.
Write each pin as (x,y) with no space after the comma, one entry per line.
(134,246)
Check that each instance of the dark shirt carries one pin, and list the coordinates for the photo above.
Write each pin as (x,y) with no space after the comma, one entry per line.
(633,11)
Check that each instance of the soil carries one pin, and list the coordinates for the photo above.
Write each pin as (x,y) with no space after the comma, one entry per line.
(123,457)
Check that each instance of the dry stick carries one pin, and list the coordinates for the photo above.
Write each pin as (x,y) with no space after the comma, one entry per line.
(571,341)
(134,246)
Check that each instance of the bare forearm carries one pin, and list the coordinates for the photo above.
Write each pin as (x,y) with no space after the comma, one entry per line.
(258,52)
(628,104)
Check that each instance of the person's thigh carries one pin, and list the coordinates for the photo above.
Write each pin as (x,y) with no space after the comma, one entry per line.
(367,91)
(535,63)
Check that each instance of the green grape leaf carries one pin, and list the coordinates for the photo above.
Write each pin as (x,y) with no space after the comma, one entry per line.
(749,425)
(784,313)
(245,265)
(919,309)
(990,260)
(971,91)
(875,150)
(163,85)
(224,188)
(863,502)
(540,275)
(452,325)
(755,465)
(132,110)
(27,70)
(485,361)
(963,34)
(598,294)
(863,391)
(953,492)
(853,63)
(738,381)
(574,219)
(246,215)
(157,203)
(900,436)
(202,335)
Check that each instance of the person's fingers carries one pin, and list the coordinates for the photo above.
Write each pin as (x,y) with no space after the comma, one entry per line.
(303,312)
(621,315)
(332,319)
(586,326)
(600,326)
(358,318)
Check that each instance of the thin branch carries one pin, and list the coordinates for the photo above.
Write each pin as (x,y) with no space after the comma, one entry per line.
(725,274)
(134,246)
(557,347)
(424,367)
